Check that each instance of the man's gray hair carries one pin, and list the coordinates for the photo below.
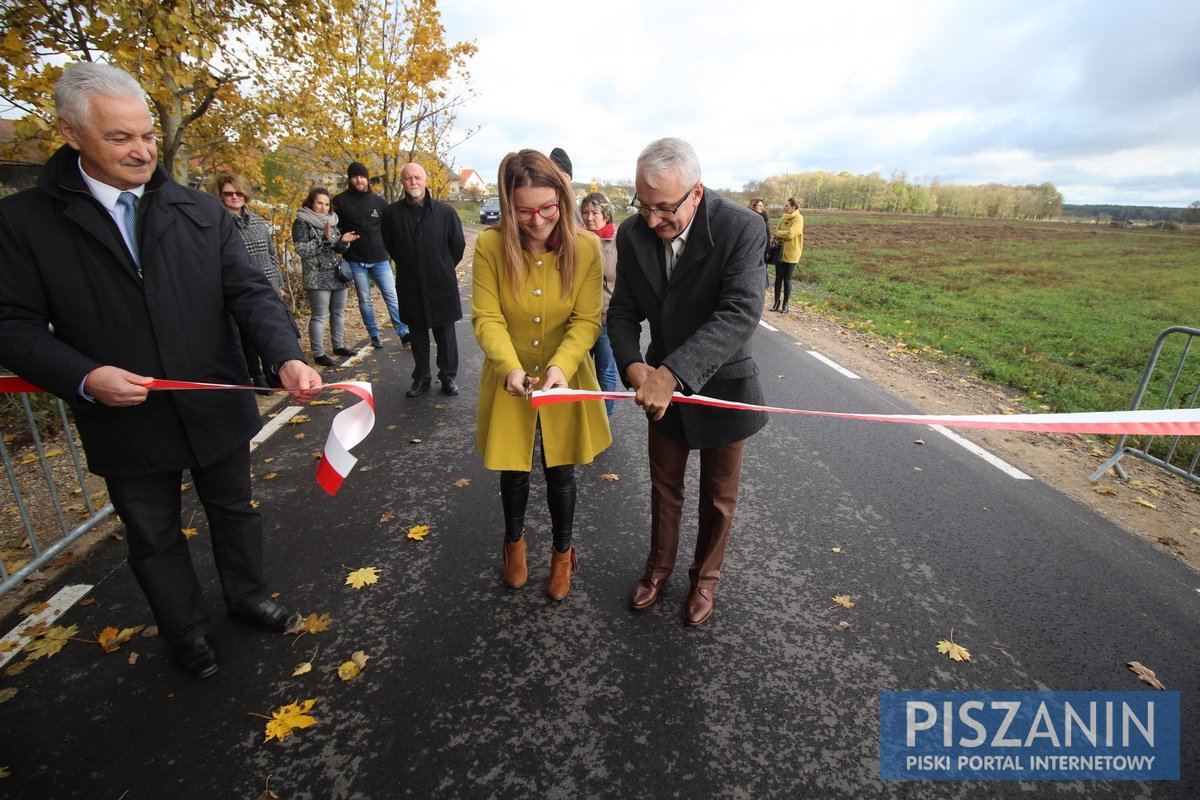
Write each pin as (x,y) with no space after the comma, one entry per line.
(82,81)
(666,155)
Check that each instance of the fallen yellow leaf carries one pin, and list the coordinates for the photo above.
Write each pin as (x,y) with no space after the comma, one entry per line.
(952,649)
(1104,490)
(302,669)
(361,577)
(610,477)
(50,642)
(1141,501)
(418,532)
(843,600)
(270,476)
(287,718)
(351,669)
(188,533)
(462,482)
(387,516)
(8,694)
(312,624)
(299,419)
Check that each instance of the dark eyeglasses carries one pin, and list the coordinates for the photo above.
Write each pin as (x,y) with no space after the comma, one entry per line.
(655,211)
(232,194)
(548,211)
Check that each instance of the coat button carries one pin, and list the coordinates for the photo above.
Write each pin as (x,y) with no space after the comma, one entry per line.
(537,292)
(537,343)
(537,263)
(537,319)
(537,368)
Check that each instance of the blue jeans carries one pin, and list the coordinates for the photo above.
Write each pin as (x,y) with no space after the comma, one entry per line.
(381,273)
(606,366)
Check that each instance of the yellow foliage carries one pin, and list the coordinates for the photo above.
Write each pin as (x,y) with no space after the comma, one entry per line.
(362,577)
(285,719)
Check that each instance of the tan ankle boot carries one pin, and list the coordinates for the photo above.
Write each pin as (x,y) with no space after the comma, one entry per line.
(515,573)
(561,567)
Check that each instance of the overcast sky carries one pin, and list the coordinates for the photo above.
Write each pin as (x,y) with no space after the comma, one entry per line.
(1102,99)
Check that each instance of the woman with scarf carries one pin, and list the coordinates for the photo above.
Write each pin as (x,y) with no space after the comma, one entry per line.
(536,314)
(790,234)
(234,192)
(320,244)
(597,212)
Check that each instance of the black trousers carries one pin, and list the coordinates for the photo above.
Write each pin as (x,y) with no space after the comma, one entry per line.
(150,507)
(447,352)
(783,282)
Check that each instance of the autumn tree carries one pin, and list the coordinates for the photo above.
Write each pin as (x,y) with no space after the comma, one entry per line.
(193,57)
(385,97)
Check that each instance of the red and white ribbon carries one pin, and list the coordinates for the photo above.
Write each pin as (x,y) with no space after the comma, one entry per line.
(350,426)
(1164,422)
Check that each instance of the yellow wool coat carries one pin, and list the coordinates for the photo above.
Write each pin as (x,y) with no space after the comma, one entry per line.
(536,329)
(790,234)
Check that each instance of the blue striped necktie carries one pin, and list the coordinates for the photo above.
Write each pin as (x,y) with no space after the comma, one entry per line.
(128,204)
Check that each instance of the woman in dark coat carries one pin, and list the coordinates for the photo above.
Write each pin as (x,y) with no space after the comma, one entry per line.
(320,244)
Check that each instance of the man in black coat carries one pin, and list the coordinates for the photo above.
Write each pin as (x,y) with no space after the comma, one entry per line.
(690,264)
(425,239)
(113,276)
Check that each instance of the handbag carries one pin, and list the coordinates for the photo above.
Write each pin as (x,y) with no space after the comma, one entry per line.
(775,251)
(345,273)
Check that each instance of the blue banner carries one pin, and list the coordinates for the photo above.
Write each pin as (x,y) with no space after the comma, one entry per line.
(1029,735)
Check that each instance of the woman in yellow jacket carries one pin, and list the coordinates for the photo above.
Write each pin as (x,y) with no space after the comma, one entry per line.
(789,233)
(536,314)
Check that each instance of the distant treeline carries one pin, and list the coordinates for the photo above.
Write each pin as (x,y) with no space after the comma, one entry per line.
(873,192)
(1133,213)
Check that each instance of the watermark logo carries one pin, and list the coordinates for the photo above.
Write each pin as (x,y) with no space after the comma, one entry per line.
(1029,735)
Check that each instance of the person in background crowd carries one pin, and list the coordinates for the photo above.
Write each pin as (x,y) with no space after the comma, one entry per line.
(789,234)
(690,266)
(536,314)
(235,193)
(425,239)
(758,206)
(320,242)
(115,276)
(360,211)
(597,212)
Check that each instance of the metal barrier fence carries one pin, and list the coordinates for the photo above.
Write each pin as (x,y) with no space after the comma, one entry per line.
(47,538)
(1178,393)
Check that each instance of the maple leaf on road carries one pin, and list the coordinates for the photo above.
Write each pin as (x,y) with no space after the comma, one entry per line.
(285,719)
(111,639)
(610,477)
(50,642)
(312,624)
(843,600)
(361,577)
(418,532)
(953,650)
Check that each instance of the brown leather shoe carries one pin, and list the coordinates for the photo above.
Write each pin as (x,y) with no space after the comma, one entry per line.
(645,592)
(515,572)
(699,606)
(561,567)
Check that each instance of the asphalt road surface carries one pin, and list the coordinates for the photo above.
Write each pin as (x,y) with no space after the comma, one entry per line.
(476,691)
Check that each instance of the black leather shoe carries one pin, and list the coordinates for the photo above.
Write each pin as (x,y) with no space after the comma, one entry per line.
(197,658)
(449,387)
(324,360)
(376,342)
(344,351)
(417,389)
(268,614)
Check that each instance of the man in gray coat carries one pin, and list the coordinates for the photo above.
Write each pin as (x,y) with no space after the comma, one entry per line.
(114,275)
(690,264)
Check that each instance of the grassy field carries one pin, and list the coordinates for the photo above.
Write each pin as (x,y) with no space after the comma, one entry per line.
(1066,314)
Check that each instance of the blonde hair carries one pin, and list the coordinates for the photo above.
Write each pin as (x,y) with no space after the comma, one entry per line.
(240,184)
(531,168)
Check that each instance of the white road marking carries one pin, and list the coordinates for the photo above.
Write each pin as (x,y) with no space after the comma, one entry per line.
(971,447)
(768,325)
(831,363)
(55,608)
(274,425)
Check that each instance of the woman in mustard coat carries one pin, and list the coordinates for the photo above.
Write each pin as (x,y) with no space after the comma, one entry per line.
(789,233)
(536,314)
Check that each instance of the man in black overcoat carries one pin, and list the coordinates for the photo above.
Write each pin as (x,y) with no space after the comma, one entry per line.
(113,275)
(690,264)
(425,239)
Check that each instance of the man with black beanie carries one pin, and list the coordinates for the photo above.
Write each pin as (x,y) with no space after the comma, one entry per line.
(361,210)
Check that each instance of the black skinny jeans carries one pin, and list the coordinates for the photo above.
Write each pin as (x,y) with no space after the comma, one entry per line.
(560,497)
(783,283)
